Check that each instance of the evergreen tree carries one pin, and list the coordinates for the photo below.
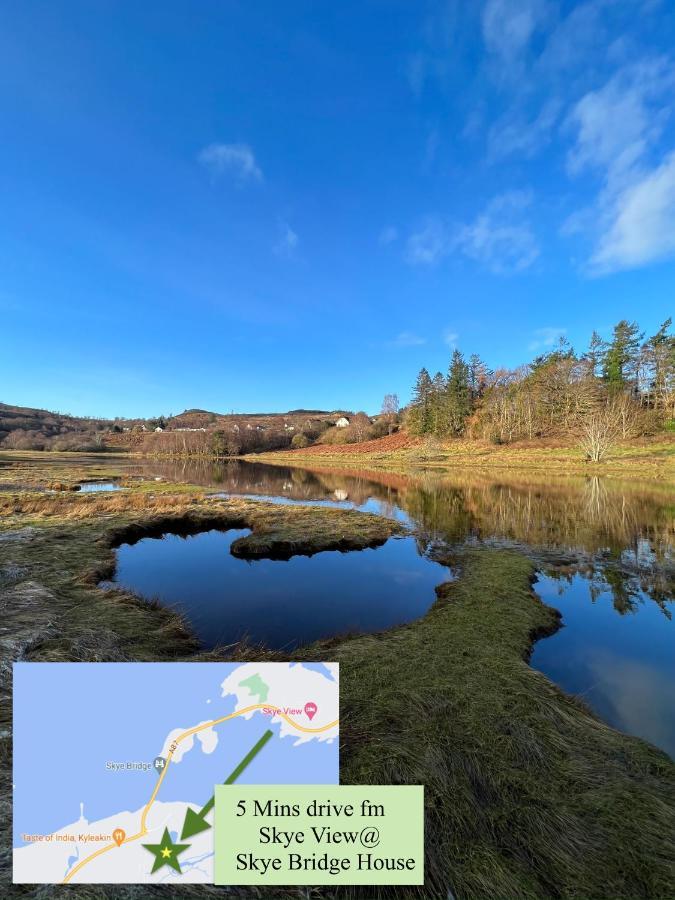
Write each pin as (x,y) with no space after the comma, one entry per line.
(659,353)
(594,356)
(438,418)
(458,393)
(419,420)
(564,351)
(479,375)
(622,357)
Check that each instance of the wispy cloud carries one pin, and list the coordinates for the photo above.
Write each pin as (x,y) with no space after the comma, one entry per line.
(618,123)
(515,134)
(617,130)
(500,237)
(407,339)
(430,244)
(546,337)
(642,227)
(287,242)
(575,38)
(236,160)
(450,338)
(388,235)
(508,25)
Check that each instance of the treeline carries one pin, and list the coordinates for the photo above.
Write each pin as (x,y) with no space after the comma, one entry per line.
(622,387)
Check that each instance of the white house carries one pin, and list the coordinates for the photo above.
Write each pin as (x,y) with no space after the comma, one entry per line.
(342,422)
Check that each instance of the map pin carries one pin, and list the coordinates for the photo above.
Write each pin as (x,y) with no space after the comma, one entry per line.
(159,763)
(310,709)
(118,835)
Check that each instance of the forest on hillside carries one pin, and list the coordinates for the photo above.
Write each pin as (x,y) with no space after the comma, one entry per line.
(615,389)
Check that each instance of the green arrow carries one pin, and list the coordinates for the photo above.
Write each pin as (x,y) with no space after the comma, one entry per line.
(195,821)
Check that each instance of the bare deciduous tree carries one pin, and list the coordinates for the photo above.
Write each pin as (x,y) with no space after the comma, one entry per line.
(390,410)
(599,430)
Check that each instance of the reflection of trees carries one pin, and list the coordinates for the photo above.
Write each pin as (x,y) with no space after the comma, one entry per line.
(618,535)
(621,537)
(589,516)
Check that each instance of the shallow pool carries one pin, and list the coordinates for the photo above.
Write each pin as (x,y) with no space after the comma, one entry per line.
(280,603)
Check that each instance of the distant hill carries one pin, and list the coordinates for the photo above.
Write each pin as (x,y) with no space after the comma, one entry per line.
(24,428)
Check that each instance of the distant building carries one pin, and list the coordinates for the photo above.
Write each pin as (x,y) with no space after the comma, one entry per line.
(342,422)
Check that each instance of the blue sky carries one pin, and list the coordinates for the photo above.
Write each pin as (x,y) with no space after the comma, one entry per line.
(261,206)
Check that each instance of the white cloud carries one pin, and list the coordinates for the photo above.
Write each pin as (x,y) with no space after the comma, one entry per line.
(429,245)
(234,159)
(288,241)
(407,339)
(575,38)
(618,123)
(546,337)
(500,238)
(514,134)
(388,235)
(642,228)
(508,25)
(618,128)
(450,338)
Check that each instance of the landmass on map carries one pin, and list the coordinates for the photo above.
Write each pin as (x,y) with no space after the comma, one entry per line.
(274,710)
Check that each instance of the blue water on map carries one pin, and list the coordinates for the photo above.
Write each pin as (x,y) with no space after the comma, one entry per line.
(70,719)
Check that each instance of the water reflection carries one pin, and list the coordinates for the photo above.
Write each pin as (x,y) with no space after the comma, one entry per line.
(605,546)
(623,666)
(280,604)
(625,532)
(90,487)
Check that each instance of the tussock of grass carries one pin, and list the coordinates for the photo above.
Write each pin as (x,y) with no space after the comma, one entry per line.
(60,562)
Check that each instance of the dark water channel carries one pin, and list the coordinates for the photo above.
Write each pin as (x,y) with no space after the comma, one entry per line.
(604,550)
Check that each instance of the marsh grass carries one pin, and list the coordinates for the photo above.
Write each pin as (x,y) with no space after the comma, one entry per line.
(528,794)
(645,458)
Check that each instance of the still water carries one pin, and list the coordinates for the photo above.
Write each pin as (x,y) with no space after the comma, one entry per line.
(603,549)
(281,604)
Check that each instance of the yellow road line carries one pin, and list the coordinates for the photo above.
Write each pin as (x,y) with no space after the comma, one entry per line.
(181,737)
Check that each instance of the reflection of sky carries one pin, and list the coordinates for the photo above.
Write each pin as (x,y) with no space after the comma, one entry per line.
(605,652)
(372,505)
(623,666)
(277,602)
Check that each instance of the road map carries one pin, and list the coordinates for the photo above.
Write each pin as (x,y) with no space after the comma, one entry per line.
(115,763)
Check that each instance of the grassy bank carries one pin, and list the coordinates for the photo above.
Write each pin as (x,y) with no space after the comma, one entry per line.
(528,794)
(646,458)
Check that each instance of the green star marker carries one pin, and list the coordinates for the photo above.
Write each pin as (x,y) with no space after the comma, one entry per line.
(166,853)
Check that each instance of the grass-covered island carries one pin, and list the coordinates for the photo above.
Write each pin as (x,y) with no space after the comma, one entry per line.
(528,793)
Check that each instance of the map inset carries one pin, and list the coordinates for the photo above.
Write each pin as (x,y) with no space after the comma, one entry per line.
(115,763)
